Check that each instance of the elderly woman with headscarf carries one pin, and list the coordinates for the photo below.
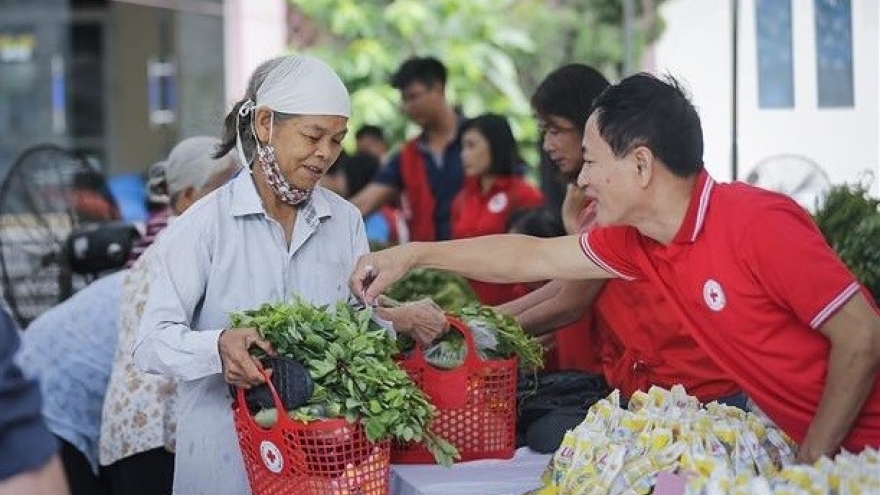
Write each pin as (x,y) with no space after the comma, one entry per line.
(270,234)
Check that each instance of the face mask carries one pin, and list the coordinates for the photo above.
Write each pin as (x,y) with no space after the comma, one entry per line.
(277,183)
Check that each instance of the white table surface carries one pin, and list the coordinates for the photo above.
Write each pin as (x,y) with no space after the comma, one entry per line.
(485,477)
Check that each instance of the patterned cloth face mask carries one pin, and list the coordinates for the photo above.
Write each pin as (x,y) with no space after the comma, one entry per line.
(284,190)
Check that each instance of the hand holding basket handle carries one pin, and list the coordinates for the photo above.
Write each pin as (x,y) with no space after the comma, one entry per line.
(287,387)
(240,368)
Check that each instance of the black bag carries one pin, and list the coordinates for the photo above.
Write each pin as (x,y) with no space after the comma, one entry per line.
(551,403)
(291,380)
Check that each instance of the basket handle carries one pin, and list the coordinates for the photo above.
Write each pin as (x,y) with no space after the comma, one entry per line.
(472,358)
(279,405)
(448,389)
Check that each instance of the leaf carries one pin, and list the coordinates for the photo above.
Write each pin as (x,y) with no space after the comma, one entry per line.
(375,429)
(319,369)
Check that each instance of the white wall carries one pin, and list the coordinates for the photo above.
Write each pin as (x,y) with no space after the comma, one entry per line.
(256,30)
(696,47)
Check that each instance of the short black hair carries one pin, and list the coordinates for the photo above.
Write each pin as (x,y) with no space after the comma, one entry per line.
(426,70)
(502,145)
(568,92)
(338,166)
(643,110)
(369,130)
(359,170)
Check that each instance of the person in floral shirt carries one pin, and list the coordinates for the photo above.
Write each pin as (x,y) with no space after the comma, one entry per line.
(138,421)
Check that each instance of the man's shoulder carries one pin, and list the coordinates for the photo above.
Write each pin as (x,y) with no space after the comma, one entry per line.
(738,200)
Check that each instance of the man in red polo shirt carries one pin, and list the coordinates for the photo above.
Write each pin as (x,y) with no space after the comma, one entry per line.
(594,322)
(745,269)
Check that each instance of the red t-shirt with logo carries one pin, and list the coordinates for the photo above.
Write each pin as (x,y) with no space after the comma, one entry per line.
(476,213)
(752,279)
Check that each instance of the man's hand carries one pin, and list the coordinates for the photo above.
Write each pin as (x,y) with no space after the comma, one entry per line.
(809,454)
(239,367)
(422,320)
(578,213)
(376,271)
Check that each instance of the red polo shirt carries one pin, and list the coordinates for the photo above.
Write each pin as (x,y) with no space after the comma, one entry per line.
(639,341)
(476,213)
(645,343)
(752,279)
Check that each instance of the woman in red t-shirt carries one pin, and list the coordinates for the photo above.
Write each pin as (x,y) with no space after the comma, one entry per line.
(493,189)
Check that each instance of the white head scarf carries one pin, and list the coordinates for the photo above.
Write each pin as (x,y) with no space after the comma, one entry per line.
(299,85)
(304,85)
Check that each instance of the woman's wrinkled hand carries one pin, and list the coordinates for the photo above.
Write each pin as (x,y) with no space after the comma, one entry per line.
(240,368)
(422,320)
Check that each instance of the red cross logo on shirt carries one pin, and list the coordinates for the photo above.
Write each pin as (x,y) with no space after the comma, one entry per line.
(713,295)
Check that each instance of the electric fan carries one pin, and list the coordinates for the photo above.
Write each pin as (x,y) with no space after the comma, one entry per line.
(46,194)
(796,176)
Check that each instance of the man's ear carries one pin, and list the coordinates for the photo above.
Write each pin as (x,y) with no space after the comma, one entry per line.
(644,162)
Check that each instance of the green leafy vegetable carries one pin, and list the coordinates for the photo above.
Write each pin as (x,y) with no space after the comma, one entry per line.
(512,340)
(450,291)
(496,335)
(350,359)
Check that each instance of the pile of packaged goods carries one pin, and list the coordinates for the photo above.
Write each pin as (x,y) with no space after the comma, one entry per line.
(712,449)
(622,451)
(847,474)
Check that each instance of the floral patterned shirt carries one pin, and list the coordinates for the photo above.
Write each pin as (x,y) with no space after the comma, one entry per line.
(139,407)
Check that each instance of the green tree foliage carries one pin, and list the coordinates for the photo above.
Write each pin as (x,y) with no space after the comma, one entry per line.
(496,51)
(850,221)
(587,31)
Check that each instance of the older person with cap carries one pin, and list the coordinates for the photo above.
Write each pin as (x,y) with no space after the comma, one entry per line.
(138,420)
(267,236)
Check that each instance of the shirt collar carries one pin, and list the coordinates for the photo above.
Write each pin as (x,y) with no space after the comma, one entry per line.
(422,140)
(695,216)
(246,200)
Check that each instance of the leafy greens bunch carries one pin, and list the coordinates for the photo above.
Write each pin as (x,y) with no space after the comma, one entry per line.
(496,335)
(447,289)
(350,359)
(512,339)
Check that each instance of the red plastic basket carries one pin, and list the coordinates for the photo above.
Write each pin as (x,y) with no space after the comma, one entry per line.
(476,404)
(331,457)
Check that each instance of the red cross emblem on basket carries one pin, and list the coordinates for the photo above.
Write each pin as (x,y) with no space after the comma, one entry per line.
(272,457)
